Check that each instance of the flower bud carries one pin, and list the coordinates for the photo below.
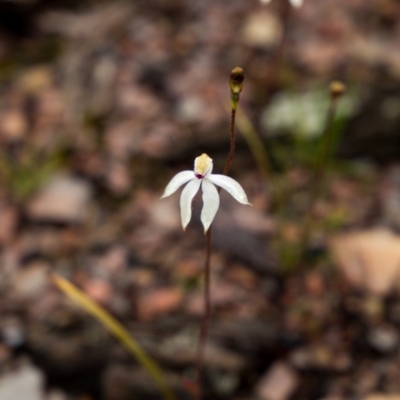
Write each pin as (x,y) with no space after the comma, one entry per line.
(337,89)
(236,85)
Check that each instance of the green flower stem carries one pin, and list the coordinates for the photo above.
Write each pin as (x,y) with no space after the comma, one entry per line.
(324,160)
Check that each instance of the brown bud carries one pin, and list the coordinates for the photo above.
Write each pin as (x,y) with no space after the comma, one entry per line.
(236,80)
(337,89)
(236,85)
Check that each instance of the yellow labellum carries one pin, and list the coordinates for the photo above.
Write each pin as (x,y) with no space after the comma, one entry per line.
(202,164)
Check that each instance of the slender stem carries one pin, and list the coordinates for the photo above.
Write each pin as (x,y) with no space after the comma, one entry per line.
(337,89)
(206,318)
(321,171)
(235,83)
(327,141)
(233,143)
(207,300)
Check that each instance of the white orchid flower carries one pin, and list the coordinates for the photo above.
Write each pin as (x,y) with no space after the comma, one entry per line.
(202,176)
(294,3)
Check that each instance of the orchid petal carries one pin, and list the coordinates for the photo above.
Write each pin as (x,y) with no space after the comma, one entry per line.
(210,204)
(177,181)
(187,195)
(231,186)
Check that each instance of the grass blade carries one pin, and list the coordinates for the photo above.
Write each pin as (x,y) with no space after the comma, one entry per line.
(116,329)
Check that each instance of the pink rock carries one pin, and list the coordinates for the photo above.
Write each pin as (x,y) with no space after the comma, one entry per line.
(13,125)
(98,290)
(159,301)
(31,282)
(279,382)
(369,259)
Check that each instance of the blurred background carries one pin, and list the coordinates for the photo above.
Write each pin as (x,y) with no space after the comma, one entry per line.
(102,102)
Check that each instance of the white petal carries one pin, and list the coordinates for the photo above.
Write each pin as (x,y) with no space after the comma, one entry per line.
(177,181)
(296,3)
(210,204)
(231,186)
(187,195)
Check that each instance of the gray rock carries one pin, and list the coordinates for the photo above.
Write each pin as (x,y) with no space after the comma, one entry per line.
(384,339)
(24,383)
(63,199)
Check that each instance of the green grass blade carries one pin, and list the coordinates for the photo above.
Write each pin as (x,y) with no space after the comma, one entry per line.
(116,329)
(254,142)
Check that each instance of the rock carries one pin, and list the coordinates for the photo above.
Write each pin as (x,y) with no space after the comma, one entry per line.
(99,290)
(224,383)
(190,109)
(26,382)
(262,29)
(320,357)
(179,350)
(279,382)
(31,281)
(13,125)
(12,332)
(36,79)
(165,214)
(63,199)
(384,339)
(248,335)
(369,259)
(159,301)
